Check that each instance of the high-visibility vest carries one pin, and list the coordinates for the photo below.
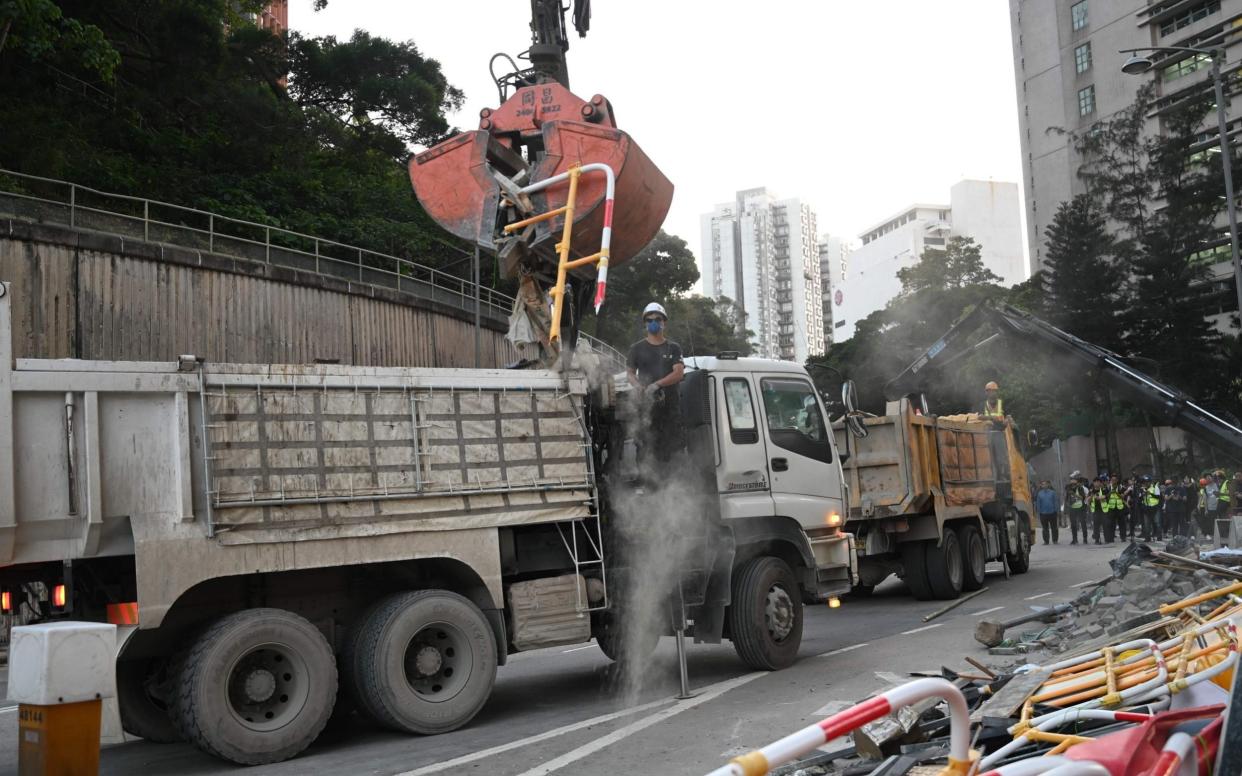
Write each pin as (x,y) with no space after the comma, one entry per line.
(1151,497)
(998,412)
(1115,502)
(1224,490)
(1099,503)
(1075,499)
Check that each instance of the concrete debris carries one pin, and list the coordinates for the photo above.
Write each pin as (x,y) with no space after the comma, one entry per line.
(1119,609)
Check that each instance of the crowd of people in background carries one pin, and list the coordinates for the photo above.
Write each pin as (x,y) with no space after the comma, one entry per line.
(1106,508)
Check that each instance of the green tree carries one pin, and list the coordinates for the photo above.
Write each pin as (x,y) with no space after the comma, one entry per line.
(661,272)
(1083,287)
(706,327)
(958,265)
(386,93)
(196,114)
(40,32)
(1127,172)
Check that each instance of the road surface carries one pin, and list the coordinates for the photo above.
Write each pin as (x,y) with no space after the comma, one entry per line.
(559,711)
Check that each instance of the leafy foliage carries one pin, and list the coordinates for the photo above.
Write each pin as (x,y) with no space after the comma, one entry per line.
(958,265)
(1084,293)
(194,111)
(664,271)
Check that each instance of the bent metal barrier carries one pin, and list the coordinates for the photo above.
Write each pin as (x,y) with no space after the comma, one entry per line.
(787,749)
(48,200)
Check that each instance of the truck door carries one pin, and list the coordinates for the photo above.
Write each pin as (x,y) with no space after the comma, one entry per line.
(743,478)
(805,473)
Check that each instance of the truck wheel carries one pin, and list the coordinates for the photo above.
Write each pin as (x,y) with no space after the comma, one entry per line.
(621,647)
(765,617)
(144,712)
(424,661)
(914,559)
(1020,560)
(257,687)
(974,556)
(944,566)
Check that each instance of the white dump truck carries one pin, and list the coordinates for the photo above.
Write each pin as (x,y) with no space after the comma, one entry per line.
(278,541)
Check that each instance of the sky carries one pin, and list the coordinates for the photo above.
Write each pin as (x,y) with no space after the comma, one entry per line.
(857,108)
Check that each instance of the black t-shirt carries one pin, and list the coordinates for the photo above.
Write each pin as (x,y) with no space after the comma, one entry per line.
(654,362)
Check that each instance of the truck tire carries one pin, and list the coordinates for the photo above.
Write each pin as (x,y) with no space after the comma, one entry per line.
(945,566)
(914,559)
(974,556)
(144,712)
(256,687)
(424,662)
(1020,560)
(765,616)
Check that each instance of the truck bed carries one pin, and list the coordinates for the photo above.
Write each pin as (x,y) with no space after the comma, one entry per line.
(907,461)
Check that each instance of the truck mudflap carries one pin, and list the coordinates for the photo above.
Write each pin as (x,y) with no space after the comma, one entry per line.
(836,563)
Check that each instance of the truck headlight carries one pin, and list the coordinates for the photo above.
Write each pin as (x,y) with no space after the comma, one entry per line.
(833,520)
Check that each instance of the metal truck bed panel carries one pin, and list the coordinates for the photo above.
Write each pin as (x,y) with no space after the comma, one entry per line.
(286,453)
(203,471)
(907,459)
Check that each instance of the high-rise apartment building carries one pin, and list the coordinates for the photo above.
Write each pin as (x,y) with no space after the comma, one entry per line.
(833,260)
(1069,77)
(761,252)
(986,211)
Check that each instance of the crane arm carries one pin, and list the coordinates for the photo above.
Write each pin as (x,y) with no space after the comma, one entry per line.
(1164,403)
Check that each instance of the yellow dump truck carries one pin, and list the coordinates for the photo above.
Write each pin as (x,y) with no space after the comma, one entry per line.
(933,499)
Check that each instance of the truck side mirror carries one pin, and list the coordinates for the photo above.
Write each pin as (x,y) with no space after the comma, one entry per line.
(853,421)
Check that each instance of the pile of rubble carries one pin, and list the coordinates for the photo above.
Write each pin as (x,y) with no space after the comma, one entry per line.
(1154,641)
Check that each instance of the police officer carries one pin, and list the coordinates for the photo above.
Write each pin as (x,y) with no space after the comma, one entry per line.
(1076,505)
(655,366)
(993,405)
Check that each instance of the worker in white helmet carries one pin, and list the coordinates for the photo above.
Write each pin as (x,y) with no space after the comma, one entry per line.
(655,367)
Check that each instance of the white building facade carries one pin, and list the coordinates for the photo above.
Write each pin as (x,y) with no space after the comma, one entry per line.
(987,211)
(833,261)
(1069,77)
(761,252)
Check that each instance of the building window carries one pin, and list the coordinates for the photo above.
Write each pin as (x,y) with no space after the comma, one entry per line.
(1082,58)
(1188,17)
(1078,15)
(1184,67)
(1211,255)
(1086,101)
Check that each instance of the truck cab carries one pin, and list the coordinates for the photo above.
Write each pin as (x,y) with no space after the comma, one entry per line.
(777,469)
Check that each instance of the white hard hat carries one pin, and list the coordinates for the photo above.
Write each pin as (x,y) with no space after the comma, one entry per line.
(655,307)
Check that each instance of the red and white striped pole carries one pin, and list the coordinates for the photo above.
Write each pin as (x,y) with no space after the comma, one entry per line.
(787,749)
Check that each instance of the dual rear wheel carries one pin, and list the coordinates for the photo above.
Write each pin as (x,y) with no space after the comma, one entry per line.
(260,685)
(956,564)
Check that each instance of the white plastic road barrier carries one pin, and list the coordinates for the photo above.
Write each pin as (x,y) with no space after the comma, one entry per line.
(59,674)
(760,761)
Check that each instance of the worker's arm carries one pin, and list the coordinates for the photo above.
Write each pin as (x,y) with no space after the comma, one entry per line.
(633,377)
(674,377)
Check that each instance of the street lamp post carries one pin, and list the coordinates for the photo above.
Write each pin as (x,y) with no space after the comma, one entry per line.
(1140,64)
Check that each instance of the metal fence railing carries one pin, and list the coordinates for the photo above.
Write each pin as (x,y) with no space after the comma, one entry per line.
(47,200)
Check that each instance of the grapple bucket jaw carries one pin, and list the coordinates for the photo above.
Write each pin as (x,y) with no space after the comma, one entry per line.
(457,184)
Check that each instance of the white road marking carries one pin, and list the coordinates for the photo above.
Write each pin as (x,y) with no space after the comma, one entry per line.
(8,709)
(1088,583)
(577,649)
(1035,597)
(988,611)
(850,648)
(832,707)
(891,678)
(560,731)
(920,630)
(709,693)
